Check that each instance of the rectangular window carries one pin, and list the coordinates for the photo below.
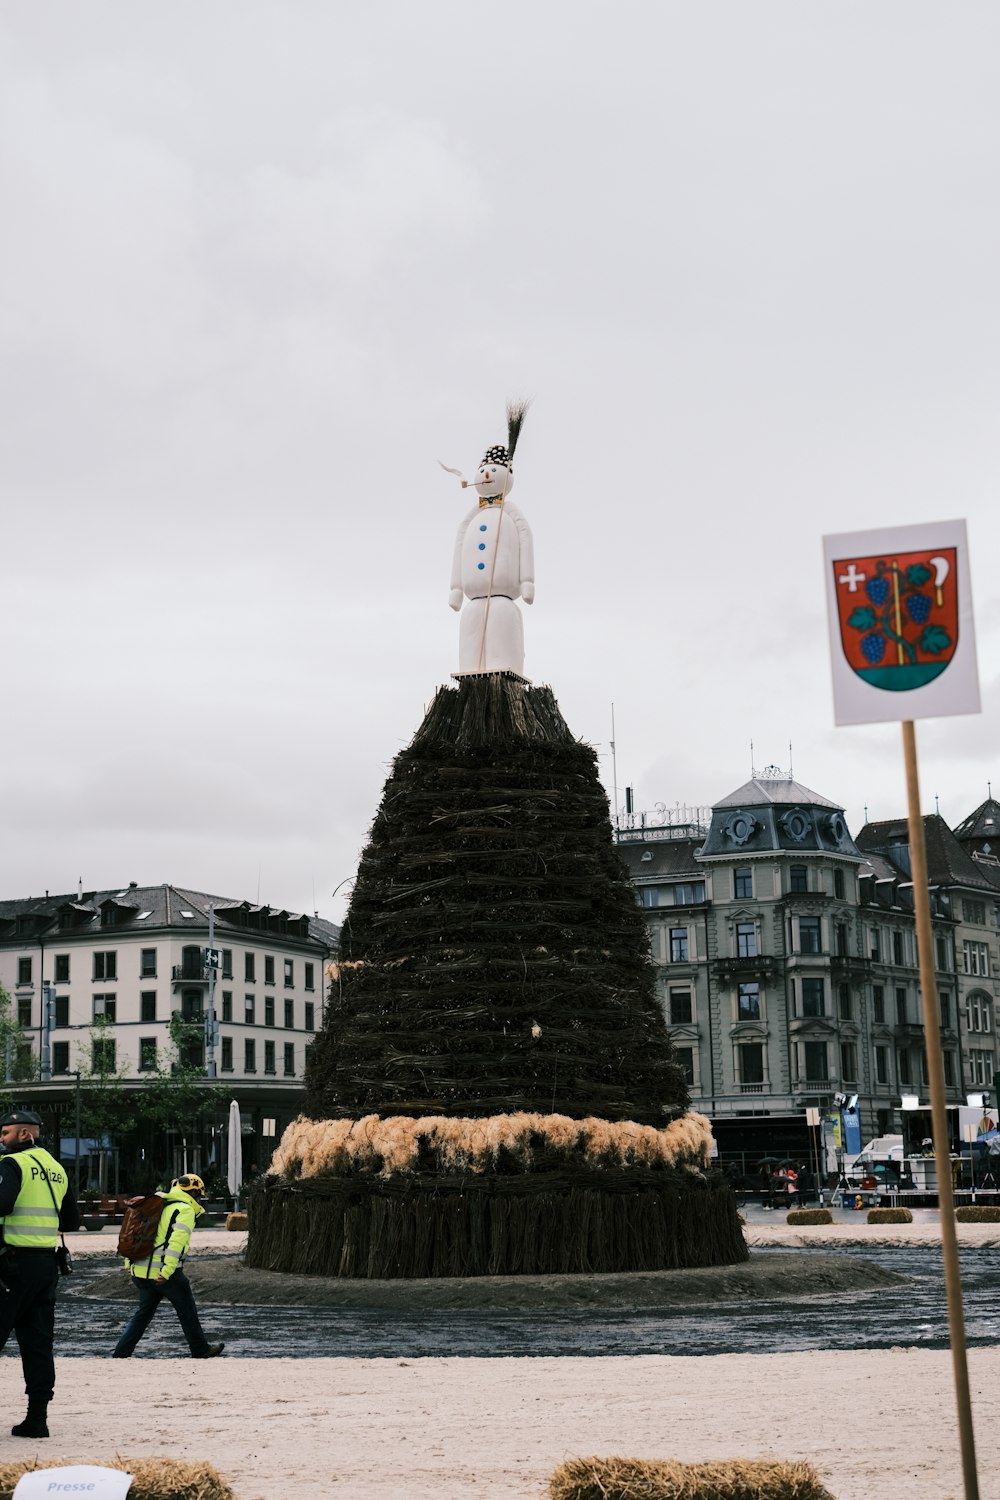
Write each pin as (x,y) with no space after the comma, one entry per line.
(62,968)
(147,1006)
(974,911)
(746,940)
(743,883)
(310,982)
(649,896)
(878,1003)
(102,1054)
(840,939)
(227,963)
(941,953)
(269,1065)
(678,945)
(310,1022)
(680,1007)
(268,1010)
(900,1007)
(106,965)
(24,1011)
(798,879)
(903,1065)
(249,1056)
(881,1065)
(106,1007)
(848,1062)
(813,999)
(897,947)
(249,1009)
(689,894)
(289,1015)
(944,1000)
(147,963)
(289,972)
(876,949)
(925,1076)
(289,1059)
(748,1002)
(838,884)
(810,935)
(249,976)
(227,1054)
(227,1005)
(981,1066)
(845,1005)
(269,970)
(62,1011)
(751,1055)
(60,1057)
(817,1070)
(948,1063)
(685,1057)
(24,971)
(147,1054)
(976,958)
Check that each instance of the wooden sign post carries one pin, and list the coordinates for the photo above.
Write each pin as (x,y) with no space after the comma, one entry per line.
(903,647)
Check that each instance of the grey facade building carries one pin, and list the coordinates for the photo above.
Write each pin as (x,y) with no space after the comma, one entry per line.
(787,961)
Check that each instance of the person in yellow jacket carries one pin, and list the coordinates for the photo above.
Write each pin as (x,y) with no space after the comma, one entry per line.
(162,1274)
(36,1204)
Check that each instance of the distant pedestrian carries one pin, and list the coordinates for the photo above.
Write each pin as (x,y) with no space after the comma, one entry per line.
(36,1205)
(792,1180)
(162,1274)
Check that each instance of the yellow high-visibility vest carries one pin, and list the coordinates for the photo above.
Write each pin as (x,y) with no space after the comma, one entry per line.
(33,1222)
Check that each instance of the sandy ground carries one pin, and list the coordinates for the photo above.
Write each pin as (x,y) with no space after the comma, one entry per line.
(877,1427)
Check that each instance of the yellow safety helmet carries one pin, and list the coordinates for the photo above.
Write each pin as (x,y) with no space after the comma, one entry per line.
(190,1183)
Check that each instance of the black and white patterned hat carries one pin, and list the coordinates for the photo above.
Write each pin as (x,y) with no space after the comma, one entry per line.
(498,454)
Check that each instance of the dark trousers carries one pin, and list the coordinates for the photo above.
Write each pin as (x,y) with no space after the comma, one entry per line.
(177,1290)
(28,1310)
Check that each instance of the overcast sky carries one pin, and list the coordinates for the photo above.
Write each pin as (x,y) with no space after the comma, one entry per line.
(262,265)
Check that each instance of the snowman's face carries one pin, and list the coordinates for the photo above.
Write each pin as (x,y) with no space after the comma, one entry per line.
(493,479)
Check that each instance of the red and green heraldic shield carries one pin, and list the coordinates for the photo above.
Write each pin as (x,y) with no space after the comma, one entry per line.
(898,616)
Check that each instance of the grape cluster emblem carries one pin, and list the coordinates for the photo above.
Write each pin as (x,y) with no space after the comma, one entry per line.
(898,617)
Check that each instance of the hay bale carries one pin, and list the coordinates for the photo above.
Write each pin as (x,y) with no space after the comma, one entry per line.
(654,1479)
(889,1216)
(810,1216)
(152,1478)
(977,1213)
(237,1221)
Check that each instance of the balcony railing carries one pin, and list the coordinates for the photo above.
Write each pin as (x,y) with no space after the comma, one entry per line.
(189,974)
(751,1088)
(758,963)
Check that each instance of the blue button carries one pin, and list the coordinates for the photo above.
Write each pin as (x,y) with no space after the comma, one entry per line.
(482,546)
(482,528)
(480,566)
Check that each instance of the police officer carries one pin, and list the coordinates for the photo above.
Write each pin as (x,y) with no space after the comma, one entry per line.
(36,1204)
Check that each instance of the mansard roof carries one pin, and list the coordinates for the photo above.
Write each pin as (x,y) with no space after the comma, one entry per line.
(661,858)
(774,789)
(947,862)
(776,813)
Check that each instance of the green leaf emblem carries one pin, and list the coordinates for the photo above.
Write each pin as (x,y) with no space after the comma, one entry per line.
(934,640)
(862,619)
(917,574)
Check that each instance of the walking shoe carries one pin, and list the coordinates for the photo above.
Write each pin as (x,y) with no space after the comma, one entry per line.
(210,1352)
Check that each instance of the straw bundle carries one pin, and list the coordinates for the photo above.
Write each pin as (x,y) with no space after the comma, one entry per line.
(809,1216)
(153,1478)
(311,1148)
(650,1479)
(977,1213)
(889,1216)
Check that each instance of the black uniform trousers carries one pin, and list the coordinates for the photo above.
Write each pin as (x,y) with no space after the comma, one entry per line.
(28,1310)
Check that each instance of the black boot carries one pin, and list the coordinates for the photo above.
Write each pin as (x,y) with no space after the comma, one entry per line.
(34,1424)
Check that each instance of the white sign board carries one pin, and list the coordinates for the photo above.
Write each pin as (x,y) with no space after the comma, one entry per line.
(75,1482)
(902,637)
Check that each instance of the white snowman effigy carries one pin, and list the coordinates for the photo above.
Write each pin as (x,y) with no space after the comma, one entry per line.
(493,565)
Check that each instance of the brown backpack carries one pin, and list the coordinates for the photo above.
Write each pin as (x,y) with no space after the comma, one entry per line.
(137,1236)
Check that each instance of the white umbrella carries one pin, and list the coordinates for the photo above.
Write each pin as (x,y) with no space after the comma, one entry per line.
(234,1166)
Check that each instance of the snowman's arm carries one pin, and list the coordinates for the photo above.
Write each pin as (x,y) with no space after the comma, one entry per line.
(526,565)
(457,594)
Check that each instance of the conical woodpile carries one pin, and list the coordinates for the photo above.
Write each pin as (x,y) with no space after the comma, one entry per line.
(494,965)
